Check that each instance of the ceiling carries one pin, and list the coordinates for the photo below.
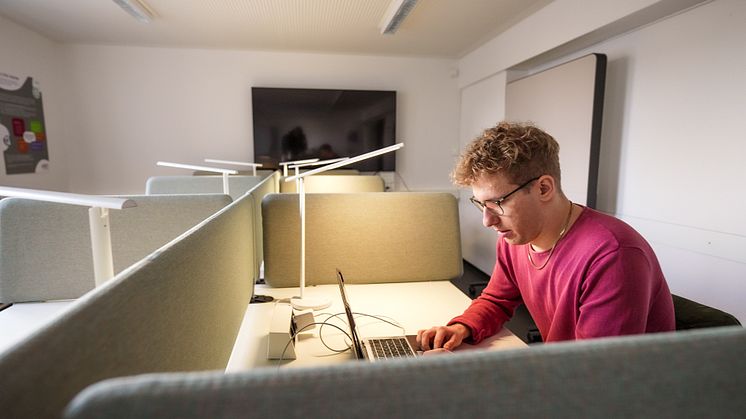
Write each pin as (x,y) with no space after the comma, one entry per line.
(437,28)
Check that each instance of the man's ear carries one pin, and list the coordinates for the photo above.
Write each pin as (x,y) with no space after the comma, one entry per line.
(547,187)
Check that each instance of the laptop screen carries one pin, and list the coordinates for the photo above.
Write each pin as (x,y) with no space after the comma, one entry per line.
(357,347)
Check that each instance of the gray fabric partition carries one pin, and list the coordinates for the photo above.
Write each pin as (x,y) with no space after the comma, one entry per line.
(372,237)
(265,187)
(674,375)
(179,309)
(238,185)
(45,248)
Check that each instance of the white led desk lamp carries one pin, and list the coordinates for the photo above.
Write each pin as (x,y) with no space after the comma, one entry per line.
(98,219)
(302,302)
(224,172)
(297,166)
(236,163)
(285,164)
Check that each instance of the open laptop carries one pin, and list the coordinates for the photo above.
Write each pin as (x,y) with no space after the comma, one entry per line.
(374,349)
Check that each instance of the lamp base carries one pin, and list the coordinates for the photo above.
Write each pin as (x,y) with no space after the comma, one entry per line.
(310,303)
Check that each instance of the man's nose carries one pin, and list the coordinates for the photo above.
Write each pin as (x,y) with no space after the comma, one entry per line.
(489,218)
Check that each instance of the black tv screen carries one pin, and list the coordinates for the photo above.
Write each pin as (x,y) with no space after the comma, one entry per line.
(295,124)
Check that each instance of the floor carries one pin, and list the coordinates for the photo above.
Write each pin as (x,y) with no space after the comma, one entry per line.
(474,280)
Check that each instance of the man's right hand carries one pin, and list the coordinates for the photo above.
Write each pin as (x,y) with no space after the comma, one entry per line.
(446,337)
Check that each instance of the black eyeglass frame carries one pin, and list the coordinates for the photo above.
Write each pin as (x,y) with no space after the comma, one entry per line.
(482,206)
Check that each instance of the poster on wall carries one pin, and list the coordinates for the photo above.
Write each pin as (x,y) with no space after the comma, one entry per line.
(22,129)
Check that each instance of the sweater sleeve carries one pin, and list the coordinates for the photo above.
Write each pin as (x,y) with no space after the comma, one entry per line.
(495,306)
(616,296)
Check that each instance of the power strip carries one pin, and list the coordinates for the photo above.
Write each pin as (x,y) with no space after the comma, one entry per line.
(282,329)
(280,333)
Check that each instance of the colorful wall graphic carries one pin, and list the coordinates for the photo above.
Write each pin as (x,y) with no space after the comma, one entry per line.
(22,129)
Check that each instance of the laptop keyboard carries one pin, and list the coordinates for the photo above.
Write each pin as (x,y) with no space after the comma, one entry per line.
(391,347)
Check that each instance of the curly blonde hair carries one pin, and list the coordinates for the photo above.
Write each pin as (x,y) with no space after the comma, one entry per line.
(516,150)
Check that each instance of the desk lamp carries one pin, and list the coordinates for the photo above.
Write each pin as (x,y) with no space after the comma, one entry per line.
(302,302)
(285,164)
(297,166)
(224,172)
(237,163)
(98,219)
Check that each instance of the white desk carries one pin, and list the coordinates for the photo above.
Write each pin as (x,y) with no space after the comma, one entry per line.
(414,305)
(23,319)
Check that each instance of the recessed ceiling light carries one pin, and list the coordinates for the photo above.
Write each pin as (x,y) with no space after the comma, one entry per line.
(138,9)
(395,15)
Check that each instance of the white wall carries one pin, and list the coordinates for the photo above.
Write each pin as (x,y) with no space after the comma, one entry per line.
(139,105)
(482,106)
(673,142)
(679,139)
(559,22)
(24,53)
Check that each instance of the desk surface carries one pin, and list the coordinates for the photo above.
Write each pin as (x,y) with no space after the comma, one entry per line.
(414,305)
(22,319)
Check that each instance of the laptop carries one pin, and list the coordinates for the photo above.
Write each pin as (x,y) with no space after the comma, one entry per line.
(379,348)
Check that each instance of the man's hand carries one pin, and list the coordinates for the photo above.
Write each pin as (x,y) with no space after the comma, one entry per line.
(446,337)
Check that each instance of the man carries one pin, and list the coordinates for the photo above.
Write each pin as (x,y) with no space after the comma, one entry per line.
(580,273)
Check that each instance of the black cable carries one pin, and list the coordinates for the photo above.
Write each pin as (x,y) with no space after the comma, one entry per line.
(292,338)
(321,336)
(380,318)
(325,323)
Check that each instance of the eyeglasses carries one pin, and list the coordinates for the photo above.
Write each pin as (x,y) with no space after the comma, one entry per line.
(494,205)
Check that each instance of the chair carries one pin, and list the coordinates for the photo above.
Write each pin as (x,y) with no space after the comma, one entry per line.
(693,315)
(689,315)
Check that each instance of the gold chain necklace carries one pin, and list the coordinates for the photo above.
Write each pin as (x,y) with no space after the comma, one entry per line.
(551,250)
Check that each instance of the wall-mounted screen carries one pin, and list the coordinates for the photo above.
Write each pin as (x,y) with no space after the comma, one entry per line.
(295,124)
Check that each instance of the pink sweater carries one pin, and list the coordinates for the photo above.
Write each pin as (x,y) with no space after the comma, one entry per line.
(602,280)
